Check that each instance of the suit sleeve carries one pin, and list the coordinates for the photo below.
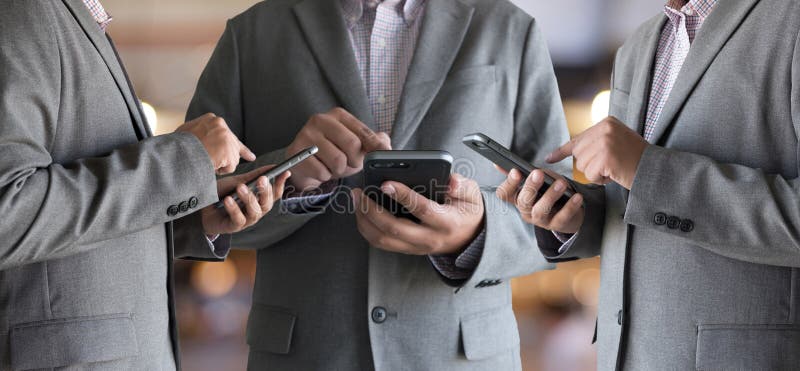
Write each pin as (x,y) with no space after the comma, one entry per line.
(539,128)
(586,243)
(219,91)
(53,210)
(732,210)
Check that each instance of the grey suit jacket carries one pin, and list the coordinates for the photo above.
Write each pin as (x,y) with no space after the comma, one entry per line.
(480,65)
(700,260)
(86,246)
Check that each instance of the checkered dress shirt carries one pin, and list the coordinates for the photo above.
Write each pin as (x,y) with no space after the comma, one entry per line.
(384,35)
(99,13)
(673,47)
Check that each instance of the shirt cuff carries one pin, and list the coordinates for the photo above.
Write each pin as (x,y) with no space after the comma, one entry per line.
(566,239)
(460,266)
(211,239)
(309,202)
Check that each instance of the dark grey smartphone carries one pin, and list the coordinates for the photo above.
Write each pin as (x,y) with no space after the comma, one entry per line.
(507,160)
(274,172)
(426,172)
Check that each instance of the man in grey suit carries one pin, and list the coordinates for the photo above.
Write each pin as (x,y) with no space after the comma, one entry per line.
(338,291)
(697,225)
(88,198)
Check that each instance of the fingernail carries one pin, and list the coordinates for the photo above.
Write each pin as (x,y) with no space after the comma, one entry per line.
(229,200)
(560,186)
(537,176)
(515,174)
(243,189)
(549,158)
(578,199)
(388,189)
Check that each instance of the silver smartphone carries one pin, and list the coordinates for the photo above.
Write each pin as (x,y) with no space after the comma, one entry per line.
(274,172)
(507,160)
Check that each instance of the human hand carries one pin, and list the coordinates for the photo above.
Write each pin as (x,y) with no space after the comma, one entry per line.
(540,212)
(223,147)
(343,141)
(608,151)
(443,228)
(235,217)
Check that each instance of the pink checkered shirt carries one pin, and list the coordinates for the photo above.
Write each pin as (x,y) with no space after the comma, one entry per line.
(384,35)
(99,13)
(673,47)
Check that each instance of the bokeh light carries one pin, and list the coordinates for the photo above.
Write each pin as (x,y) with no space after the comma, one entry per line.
(151,115)
(585,286)
(214,280)
(600,106)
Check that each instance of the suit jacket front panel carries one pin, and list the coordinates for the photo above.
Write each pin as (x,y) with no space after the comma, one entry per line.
(317,279)
(708,305)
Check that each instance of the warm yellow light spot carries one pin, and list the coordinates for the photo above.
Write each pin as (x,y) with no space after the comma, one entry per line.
(151,115)
(600,106)
(214,280)
(585,286)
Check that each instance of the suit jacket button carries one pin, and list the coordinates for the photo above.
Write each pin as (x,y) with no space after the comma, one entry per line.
(172,210)
(687,225)
(379,314)
(660,219)
(193,202)
(673,222)
(183,206)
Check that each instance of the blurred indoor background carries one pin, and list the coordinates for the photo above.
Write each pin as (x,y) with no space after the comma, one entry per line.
(165,45)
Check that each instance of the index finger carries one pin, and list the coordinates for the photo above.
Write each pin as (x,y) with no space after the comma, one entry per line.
(245,152)
(561,152)
(370,140)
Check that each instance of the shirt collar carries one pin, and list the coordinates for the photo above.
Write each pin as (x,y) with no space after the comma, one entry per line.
(354,9)
(98,13)
(699,8)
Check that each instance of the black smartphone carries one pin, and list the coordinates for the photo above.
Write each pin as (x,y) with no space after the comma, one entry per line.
(507,160)
(426,172)
(274,172)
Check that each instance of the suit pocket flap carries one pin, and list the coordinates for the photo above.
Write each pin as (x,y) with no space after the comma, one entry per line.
(748,347)
(489,333)
(64,342)
(269,329)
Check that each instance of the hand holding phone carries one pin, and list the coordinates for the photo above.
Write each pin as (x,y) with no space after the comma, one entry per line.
(274,172)
(426,172)
(430,211)
(236,216)
(507,160)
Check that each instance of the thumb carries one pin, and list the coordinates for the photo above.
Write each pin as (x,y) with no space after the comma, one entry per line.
(379,141)
(464,189)
(228,184)
(385,142)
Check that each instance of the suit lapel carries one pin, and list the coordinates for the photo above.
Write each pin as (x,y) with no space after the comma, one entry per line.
(445,23)
(716,31)
(103,46)
(642,79)
(323,24)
